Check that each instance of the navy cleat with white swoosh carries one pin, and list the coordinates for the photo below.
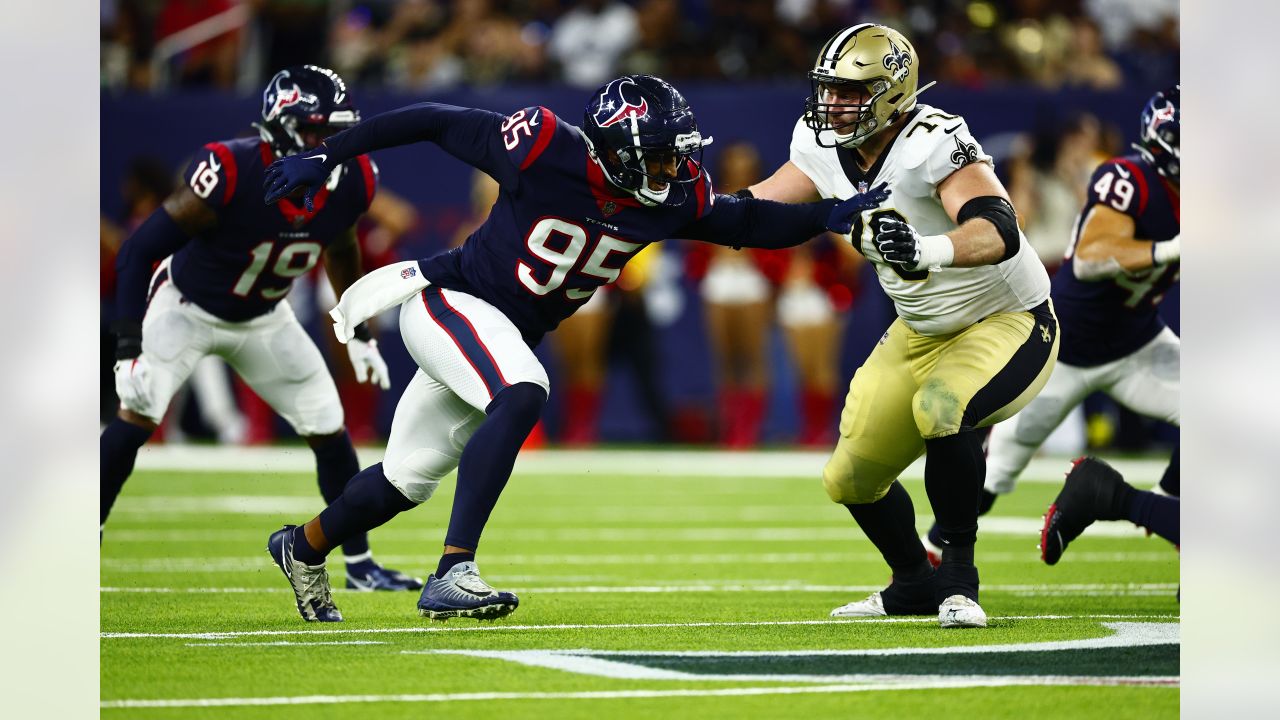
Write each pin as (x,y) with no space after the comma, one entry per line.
(310,583)
(368,576)
(461,593)
(1093,491)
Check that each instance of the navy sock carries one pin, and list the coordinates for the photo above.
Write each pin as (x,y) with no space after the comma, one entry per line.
(1157,513)
(1170,482)
(954,469)
(486,462)
(336,464)
(448,560)
(118,449)
(890,524)
(368,501)
(302,550)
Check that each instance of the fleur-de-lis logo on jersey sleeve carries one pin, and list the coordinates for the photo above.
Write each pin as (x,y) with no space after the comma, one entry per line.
(965,153)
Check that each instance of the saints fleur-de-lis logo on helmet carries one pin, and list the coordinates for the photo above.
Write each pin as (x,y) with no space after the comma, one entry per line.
(897,61)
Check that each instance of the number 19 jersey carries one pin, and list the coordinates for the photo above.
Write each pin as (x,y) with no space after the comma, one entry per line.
(240,268)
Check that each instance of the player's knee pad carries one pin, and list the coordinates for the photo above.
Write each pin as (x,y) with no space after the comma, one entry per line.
(855,481)
(937,409)
(419,474)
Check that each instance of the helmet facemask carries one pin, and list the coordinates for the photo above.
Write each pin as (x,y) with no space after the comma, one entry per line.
(826,109)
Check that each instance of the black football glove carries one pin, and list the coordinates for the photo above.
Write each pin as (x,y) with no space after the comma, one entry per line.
(897,242)
(842,215)
(307,169)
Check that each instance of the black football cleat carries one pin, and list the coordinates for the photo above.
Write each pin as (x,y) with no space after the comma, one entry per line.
(1094,491)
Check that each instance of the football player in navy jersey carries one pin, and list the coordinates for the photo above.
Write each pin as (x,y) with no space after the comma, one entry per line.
(575,204)
(225,262)
(1123,258)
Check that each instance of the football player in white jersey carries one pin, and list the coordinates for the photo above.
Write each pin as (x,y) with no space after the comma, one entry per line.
(975,338)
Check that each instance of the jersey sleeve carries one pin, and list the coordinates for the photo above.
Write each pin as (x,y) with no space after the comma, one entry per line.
(950,146)
(211,175)
(704,195)
(807,156)
(1120,185)
(526,134)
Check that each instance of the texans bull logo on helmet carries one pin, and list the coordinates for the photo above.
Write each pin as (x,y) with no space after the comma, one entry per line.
(615,106)
(279,97)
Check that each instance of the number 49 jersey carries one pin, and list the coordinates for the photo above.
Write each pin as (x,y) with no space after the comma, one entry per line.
(245,264)
(1110,319)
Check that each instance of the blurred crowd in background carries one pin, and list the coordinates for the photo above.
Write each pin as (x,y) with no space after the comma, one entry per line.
(430,44)
(694,344)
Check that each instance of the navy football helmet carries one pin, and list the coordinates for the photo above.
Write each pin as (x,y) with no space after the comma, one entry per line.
(300,101)
(635,126)
(1161,129)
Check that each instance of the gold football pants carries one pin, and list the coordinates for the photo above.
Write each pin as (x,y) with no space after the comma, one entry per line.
(916,387)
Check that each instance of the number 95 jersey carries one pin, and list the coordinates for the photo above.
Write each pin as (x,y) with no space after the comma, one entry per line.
(1110,319)
(931,145)
(240,268)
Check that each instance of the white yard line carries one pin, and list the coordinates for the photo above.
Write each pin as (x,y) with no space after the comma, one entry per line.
(906,683)
(228,634)
(642,463)
(1043,590)
(284,643)
(1012,526)
(255,564)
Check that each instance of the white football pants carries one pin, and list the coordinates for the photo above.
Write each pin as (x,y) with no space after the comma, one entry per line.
(467,351)
(272,353)
(1146,382)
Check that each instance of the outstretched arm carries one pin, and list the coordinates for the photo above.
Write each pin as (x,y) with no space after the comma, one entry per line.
(471,135)
(749,222)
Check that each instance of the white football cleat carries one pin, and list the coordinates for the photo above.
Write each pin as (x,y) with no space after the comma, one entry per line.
(872,606)
(959,611)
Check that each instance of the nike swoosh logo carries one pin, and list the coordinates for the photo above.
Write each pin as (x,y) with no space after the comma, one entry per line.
(363,584)
(214,165)
(859,63)
(952,129)
(322,157)
(535,119)
(1123,173)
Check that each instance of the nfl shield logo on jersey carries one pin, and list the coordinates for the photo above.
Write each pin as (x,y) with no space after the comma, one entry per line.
(609,208)
(408,273)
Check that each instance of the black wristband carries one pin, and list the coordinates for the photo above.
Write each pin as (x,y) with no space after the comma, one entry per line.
(745,193)
(361,333)
(128,334)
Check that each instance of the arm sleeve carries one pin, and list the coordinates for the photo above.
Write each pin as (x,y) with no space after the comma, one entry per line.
(749,222)
(480,138)
(155,239)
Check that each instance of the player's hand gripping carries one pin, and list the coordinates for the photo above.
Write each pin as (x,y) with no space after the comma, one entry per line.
(842,215)
(307,170)
(900,244)
(368,363)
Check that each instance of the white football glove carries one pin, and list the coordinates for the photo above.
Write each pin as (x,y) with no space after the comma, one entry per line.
(131,383)
(367,362)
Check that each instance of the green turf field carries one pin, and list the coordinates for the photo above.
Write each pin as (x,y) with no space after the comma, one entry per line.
(651,584)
